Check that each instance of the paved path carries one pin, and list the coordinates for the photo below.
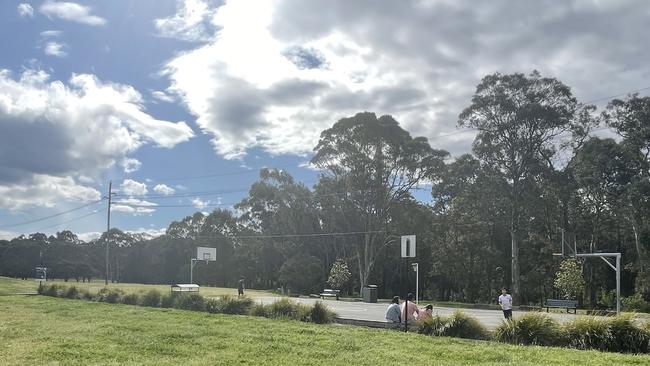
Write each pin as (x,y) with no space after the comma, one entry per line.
(375,312)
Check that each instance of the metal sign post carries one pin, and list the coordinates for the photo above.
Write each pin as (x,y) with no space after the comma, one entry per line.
(408,251)
(416,268)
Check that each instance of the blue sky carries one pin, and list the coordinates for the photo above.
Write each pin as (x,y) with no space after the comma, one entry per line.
(170,97)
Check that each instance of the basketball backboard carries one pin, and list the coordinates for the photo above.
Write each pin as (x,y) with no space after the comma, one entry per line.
(206,254)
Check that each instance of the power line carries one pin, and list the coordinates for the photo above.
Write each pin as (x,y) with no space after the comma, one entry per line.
(289,235)
(68,221)
(53,215)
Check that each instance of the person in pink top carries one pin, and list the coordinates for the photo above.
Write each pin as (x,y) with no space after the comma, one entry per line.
(412,311)
(427,312)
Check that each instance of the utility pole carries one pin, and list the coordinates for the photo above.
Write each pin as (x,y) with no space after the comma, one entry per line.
(108,227)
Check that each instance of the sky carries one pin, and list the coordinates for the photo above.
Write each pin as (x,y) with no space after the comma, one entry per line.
(179,103)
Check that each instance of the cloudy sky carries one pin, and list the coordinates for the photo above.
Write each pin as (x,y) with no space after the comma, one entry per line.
(180,102)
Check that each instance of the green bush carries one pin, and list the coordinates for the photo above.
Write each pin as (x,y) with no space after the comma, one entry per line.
(636,303)
(260,310)
(111,296)
(321,314)
(588,333)
(531,328)
(433,325)
(51,290)
(193,302)
(71,292)
(131,299)
(167,300)
(235,305)
(287,309)
(151,298)
(85,294)
(626,336)
(461,325)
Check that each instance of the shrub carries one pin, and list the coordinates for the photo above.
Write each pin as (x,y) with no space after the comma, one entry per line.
(287,309)
(85,294)
(235,305)
(71,292)
(51,290)
(213,306)
(167,300)
(461,325)
(260,310)
(588,333)
(433,325)
(321,314)
(636,303)
(531,328)
(193,302)
(111,296)
(151,298)
(130,299)
(626,336)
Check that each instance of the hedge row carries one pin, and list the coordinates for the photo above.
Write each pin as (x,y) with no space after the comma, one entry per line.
(615,334)
(283,308)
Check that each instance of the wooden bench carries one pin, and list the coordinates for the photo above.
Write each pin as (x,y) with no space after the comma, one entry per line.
(556,303)
(330,293)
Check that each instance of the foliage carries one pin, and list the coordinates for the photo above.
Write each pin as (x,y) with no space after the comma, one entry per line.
(194,302)
(260,309)
(302,274)
(588,333)
(287,309)
(635,303)
(531,328)
(230,305)
(433,325)
(321,314)
(131,299)
(167,300)
(339,274)
(626,336)
(151,298)
(569,279)
(461,325)
(71,292)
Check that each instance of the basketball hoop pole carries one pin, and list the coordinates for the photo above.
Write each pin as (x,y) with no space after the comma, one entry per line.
(192,264)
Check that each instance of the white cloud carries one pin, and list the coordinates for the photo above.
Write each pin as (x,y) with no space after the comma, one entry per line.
(130,165)
(162,96)
(70,11)
(149,233)
(82,127)
(51,33)
(54,49)
(277,73)
(134,206)
(25,10)
(89,236)
(131,187)
(192,21)
(44,190)
(7,235)
(199,203)
(163,189)
(135,202)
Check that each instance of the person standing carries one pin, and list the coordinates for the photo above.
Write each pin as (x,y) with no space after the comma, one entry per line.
(393,311)
(410,312)
(240,288)
(505,300)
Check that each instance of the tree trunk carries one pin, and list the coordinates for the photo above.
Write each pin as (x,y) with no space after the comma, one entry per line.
(515,265)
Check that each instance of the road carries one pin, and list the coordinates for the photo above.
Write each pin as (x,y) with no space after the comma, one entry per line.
(375,312)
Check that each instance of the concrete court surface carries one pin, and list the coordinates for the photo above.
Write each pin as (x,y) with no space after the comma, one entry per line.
(375,312)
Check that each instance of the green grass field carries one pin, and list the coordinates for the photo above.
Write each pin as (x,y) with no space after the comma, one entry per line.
(9,286)
(44,330)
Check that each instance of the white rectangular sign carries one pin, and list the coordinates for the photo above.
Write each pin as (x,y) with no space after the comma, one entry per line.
(408,246)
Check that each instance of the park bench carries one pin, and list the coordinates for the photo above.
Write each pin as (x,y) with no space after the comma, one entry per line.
(556,303)
(330,293)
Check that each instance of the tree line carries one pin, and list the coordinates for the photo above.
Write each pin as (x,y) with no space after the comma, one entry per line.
(538,172)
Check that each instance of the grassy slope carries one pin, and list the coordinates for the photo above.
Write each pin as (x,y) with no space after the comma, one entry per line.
(38,330)
(10,286)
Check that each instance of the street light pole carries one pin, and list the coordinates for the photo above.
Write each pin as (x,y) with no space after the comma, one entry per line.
(108,227)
